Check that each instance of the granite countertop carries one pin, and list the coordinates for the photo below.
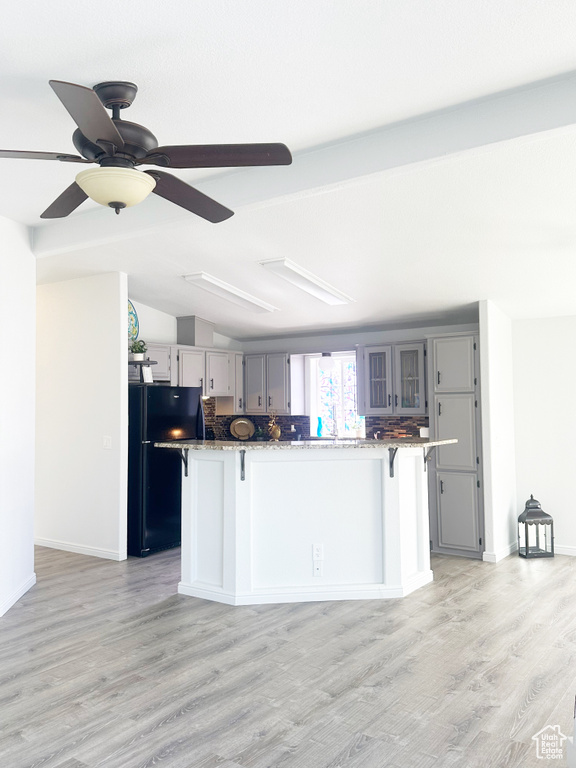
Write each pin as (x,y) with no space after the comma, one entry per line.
(284,445)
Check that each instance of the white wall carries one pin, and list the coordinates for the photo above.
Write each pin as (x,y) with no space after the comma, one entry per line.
(82,391)
(545,419)
(17,331)
(498,441)
(155,325)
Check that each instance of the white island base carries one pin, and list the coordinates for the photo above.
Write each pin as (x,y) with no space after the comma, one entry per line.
(278,526)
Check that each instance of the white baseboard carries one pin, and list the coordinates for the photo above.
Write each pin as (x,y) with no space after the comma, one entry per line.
(81,550)
(560,550)
(500,554)
(16,595)
(307,594)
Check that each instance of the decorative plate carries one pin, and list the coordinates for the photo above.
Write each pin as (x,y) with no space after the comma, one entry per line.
(133,325)
(243,429)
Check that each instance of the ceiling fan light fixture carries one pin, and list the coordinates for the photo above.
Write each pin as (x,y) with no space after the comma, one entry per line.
(116,187)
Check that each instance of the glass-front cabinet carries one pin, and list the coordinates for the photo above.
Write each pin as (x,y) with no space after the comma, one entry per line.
(392,380)
(378,380)
(409,395)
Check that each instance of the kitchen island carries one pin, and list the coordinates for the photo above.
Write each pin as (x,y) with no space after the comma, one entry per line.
(275,522)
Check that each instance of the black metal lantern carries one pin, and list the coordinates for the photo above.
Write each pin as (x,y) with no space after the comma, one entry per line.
(535,531)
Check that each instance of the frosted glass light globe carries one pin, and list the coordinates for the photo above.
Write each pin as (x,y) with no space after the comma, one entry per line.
(116,185)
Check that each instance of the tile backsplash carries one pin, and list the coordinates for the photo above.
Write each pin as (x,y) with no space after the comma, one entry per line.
(389,427)
(218,427)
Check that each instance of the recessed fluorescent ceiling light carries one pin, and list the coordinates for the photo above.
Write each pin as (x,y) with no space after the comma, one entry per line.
(229,292)
(306,281)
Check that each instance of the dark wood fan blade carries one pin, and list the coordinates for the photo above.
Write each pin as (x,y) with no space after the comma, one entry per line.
(88,112)
(177,191)
(13,154)
(68,201)
(218,155)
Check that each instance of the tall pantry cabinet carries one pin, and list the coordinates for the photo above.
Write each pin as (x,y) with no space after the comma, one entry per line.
(455,479)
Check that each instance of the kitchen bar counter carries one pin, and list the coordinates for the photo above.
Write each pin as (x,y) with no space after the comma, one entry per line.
(271,522)
(283,445)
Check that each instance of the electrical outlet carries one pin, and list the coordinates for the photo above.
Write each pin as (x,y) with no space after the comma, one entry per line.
(107,443)
(318,551)
(317,571)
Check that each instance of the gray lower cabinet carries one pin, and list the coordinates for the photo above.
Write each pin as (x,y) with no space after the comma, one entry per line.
(457,521)
(455,479)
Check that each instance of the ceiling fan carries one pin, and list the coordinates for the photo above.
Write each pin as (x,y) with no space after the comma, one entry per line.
(117,146)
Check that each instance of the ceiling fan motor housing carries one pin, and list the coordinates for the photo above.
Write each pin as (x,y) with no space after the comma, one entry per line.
(138,141)
(116,93)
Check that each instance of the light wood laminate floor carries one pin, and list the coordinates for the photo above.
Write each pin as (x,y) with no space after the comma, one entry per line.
(103,664)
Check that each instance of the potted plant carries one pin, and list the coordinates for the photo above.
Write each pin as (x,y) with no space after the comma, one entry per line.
(138,349)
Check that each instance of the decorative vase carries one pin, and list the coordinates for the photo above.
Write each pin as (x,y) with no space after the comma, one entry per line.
(273,429)
(138,355)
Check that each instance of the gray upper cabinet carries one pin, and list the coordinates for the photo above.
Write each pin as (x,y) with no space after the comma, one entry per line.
(391,380)
(191,368)
(233,403)
(376,367)
(162,370)
(454,364)
(255,383)
(278,383)
(267,383)
(238,382)
(409,386)
(160,353)
(217,373)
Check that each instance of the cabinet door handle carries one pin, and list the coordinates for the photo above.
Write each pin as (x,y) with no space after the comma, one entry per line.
(389,400)
(439,409)
(269,400)
(211,383)
(202,382)
(239,402)
(396,401)
(438,377)
(259,399)
(441,486)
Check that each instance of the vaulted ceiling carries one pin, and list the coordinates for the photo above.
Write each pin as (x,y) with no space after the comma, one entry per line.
(434,152)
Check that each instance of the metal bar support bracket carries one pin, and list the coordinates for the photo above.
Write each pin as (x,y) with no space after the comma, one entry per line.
(184,456)
(392,455)
(428,455)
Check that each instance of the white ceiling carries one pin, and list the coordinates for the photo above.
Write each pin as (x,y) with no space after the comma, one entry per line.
(411,239)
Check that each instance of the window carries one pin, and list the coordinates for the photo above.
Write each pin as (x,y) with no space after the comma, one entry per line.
(333,398)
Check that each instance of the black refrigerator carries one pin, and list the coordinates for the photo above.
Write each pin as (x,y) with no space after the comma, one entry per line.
(158,414)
